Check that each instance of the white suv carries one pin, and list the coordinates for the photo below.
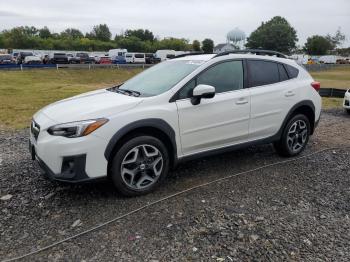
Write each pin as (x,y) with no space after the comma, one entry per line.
(177,110)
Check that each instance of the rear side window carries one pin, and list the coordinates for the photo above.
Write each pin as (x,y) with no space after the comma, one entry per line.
(292,71)
(283,73)
(139,55)
(262,73)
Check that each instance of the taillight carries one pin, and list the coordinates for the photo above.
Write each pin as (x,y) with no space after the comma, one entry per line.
(316,86)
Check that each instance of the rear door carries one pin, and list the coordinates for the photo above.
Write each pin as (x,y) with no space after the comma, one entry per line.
(219,121)
(272,95)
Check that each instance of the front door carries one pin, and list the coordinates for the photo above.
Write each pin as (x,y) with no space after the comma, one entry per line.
(220,121)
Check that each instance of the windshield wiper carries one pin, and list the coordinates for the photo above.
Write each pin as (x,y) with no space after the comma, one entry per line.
(126,91)
(131,92)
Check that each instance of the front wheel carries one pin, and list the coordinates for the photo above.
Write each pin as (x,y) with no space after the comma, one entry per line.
(140,166)
(295,136)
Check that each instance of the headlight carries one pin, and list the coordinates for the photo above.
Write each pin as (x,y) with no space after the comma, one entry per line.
(77,129)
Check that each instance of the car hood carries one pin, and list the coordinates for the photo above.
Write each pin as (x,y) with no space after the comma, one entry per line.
(95,104)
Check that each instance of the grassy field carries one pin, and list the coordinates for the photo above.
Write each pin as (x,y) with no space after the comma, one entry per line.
(23,93)
(335,78)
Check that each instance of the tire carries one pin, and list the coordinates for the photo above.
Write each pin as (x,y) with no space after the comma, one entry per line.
(295,136)
(132,171)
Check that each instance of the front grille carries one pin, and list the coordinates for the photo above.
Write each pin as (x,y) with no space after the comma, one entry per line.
(35,129)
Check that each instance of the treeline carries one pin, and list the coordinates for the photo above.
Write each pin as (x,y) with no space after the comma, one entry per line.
(99,39)
(276,34)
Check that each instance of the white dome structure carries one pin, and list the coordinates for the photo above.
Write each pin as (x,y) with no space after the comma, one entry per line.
(236,37)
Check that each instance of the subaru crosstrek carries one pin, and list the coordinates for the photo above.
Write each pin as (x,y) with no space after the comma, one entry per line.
(182,108)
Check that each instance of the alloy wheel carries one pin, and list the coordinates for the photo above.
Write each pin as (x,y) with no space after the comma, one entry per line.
(297,136)
(142,167)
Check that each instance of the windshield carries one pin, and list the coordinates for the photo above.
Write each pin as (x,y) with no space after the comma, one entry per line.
(82,55)
(160,78)
(27,53)
(60,55)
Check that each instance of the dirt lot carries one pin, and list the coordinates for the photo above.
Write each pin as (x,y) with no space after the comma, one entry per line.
(295,211)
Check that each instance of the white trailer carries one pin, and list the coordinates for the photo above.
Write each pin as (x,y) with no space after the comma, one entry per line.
(328,59)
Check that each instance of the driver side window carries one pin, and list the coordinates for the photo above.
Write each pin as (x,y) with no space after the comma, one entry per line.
(226,76)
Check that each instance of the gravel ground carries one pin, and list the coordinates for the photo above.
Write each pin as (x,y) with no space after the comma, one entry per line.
(296,211)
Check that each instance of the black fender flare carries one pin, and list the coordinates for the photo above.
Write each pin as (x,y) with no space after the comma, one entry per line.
(308,103)
(150,122)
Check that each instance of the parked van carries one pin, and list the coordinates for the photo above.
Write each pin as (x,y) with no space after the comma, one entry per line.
(165,54)
(135,58)
(117,55)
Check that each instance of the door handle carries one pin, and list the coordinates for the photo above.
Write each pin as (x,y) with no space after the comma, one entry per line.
(289,93)
(241,101)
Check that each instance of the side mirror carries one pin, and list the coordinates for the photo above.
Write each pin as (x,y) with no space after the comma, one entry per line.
(202,91)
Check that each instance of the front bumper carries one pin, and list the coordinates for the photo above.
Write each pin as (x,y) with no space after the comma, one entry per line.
(346,102)
(69,159)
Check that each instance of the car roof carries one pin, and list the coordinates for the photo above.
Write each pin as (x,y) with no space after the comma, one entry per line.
(207,57)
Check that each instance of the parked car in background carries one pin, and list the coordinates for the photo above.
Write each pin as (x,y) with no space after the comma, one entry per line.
(72,59)
(84,58)
(346,103)
(6,60)
(21,56)
(117,55)
(343,61)
(152,59)
(118,59)
(32,60)
(165,54)
(14,56)
(135,58)
(58,58)
(103,60)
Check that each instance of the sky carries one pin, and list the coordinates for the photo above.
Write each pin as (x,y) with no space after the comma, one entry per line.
(190,19)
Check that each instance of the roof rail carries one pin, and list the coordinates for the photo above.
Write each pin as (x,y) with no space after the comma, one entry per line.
(253,51)
(188,54)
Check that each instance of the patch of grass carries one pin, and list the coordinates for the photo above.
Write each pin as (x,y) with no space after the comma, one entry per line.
(332,102)
(22,93)
(334,78)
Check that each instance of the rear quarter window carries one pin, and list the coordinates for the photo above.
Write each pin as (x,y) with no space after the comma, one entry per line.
(283,73)
(292,71)
(262,73)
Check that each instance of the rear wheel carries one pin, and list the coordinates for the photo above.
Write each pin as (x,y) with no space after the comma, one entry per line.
(140,166)
(295,136)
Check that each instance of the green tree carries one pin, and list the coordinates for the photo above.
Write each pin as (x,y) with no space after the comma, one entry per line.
(100,32)
(208,46)
(72,33)
(196,45)
(337,39)
(318,45)
(143,35)
(276,34)
(44,32)
(132,44)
